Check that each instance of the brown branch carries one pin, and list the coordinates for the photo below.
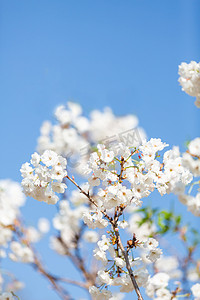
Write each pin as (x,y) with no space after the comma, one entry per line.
(114,225)
(122,168)
(128,266)
(53,280)
(118,212)
(79,264)
(64,295)
(74,282)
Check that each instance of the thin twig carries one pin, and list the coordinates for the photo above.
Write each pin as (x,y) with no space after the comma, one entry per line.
(91,200)
(74,282)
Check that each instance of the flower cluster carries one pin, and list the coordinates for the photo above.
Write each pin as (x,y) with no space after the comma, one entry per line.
(122,178)
(44,178)
(21,253)
(141,171)
(154,252)
(67,222)
(11,198)
(190,79)
(157,287)
(75,135)
(108,255)
(191,160)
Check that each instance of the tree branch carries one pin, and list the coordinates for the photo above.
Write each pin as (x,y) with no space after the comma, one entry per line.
(114,225)
(128,266)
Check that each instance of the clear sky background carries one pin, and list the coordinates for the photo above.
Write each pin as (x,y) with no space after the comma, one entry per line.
(123,54)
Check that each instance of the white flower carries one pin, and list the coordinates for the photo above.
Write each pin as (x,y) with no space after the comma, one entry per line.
(104,243)
(104,277)
(106,155)
(43,225)
(6,296)
(141,276)
(192,274)
(191,163)
(93,181)
(190,79)
(75,108)
(15,285)
(2,253)
(49,158)
(62,115)
(196,290)
(35,159)
(194,147)
(58,187)
(90,236)
(11,198)
(152,146)
(117,296)
(120,262)
(58,173)
(151,243)
(126,284)
(159,280)
(26,170)
(117,281)
(88,219)
(99,221)
(169,265)
(154,254)
(163,294)
(100,255)
(43,181)
(51,198)
(21,253)
(32,234)
(96,294)
(123,224)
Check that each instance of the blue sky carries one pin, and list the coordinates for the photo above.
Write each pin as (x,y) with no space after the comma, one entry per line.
(123,54)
